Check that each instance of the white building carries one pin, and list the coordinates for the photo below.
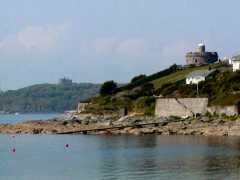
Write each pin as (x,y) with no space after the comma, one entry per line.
(197,76)
(236,63)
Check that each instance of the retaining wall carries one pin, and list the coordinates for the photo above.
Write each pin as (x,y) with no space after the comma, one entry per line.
(227,110)
(180,107)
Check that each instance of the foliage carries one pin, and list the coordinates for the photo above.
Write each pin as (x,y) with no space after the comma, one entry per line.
(108,88)
(145,104)
(178,75)
(144,90)
(148,79)
(46,97)
(140,77)
(222,88)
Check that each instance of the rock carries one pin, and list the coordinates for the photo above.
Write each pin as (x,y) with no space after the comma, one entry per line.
(37,131)
(64,123)
(205,119)
(54,131)
(85,122)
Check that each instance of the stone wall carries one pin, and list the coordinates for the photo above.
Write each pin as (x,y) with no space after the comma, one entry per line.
(201,58)
(227,110)
(181,107)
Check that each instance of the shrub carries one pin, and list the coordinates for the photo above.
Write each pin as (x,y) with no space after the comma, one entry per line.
(147,79)
(108,88)
(138,78)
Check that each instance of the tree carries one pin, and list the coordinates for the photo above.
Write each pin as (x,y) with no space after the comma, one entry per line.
(138,78)
(108,88)
(148,89)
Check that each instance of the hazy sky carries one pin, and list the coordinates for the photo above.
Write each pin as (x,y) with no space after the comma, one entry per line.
(98,40)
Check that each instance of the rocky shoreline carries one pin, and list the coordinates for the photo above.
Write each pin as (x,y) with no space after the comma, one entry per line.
(136,125)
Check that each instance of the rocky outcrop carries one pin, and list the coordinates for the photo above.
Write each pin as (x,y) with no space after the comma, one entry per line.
(88,124)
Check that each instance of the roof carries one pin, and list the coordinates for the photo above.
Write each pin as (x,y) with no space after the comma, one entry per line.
(202,73)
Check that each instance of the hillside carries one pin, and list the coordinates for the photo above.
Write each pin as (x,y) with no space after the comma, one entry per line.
(138,95)
(47,97)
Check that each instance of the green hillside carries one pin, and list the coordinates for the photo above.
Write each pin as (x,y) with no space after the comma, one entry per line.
(47,97)
(138,95)
(174,77)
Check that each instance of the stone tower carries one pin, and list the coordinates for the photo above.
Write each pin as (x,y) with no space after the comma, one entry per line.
(201,56)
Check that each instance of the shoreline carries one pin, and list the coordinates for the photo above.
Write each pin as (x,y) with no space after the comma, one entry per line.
(136,125)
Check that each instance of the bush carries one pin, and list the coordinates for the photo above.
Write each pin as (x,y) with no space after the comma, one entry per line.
(141,81)
(138,78)
(147,89)
(108,88)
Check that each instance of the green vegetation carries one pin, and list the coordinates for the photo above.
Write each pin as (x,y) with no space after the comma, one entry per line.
(108,88)
(143,79)
(47,97)
(177,76)
(222,88)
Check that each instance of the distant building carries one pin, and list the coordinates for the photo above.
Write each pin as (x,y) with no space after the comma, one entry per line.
(197,76)
(235,63)
(65,81)
(201,56)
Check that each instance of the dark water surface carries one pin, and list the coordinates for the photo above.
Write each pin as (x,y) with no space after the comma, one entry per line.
(119,158)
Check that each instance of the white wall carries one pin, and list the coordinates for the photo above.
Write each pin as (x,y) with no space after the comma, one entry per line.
(195,80)
(236,65)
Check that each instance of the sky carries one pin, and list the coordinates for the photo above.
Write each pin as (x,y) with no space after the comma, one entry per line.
(95,41)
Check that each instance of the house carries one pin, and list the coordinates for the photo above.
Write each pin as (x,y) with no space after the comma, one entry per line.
(197,76)
(236,63)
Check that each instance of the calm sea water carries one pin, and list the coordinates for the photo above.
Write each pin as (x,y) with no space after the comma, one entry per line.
(11,118)
(119,158)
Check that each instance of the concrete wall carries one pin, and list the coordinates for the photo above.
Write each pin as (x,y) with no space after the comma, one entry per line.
(194,80)
(236,65)
(227,110)
(181,107)
(82,107)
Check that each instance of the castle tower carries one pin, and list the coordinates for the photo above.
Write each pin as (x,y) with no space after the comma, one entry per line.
(201,56)
(201,48)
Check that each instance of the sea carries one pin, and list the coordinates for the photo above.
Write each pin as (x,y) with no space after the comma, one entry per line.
(18,118)
(79,157)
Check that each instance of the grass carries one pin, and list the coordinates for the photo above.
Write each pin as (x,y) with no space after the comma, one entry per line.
(177,76)
(182,74)
(219,88)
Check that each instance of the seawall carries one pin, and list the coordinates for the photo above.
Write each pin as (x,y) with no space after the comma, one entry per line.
(181,107)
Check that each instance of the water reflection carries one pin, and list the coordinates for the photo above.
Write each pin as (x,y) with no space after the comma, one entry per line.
(120,158)
(167,157)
